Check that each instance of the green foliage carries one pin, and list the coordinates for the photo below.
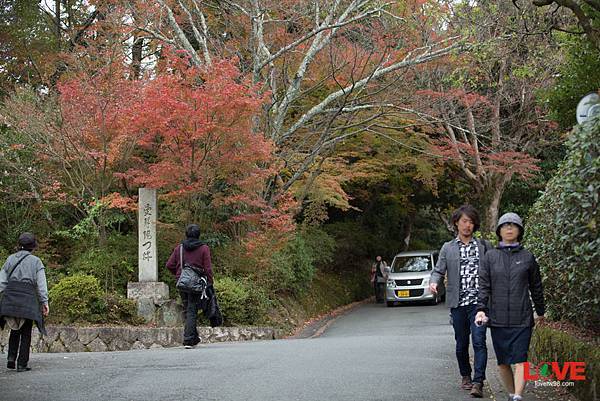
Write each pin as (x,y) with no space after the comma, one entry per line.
(121,310)
(321,245)
(3,255)
(520,195)
(563,231)
(291,268)
(97,217)
(17,205)
(27,36)
(77,299)
(548,344)
(242,302)
(330,290)
(356,241)
(113,264)
(579,75)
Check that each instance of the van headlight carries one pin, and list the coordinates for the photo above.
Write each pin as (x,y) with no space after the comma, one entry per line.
(426,281)
(391,283)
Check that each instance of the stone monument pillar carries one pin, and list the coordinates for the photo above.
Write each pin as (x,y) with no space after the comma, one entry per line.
(149,293)
(147,216)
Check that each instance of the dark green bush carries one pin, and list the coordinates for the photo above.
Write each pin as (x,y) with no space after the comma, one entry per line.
(562,232)
(77,298)
(320,245)
(292,268)
(241,302)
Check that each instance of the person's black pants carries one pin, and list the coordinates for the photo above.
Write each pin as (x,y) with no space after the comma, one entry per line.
(379,292)
(19,343)
(191,303)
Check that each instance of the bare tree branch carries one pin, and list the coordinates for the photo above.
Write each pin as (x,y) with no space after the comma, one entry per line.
(182,39)
(423,58)
(314,32)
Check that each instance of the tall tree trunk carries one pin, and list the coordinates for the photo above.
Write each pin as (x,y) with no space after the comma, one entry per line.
(495,190)
(136,58)
(57,21)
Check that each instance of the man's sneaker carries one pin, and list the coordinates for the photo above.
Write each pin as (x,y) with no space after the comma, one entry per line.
(477,390)
(188,346)
(466,383)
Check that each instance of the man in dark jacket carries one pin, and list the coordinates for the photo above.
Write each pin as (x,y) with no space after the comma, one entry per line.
(195,253)
(459,260)
(24,292)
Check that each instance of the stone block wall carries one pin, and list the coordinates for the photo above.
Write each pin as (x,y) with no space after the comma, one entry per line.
(101,339)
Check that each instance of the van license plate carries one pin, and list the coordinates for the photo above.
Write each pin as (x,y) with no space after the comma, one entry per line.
(403,294)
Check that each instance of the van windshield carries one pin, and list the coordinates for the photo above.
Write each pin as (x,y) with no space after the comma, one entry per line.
(411,264)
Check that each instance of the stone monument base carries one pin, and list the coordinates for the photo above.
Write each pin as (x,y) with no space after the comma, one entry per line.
(153,303)
(155,290)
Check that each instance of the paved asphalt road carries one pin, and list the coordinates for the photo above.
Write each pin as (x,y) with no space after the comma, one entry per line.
(371,353)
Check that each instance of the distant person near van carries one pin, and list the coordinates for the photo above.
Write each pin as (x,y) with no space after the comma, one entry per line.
(379,271)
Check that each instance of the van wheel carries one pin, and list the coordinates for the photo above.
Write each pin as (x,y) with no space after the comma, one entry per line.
(390,303)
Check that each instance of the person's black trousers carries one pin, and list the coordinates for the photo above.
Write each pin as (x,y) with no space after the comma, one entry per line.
(191,303)
(379,291)
(19,343)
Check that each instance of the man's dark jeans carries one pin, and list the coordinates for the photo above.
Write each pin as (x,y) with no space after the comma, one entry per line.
(463,321)
(19,343)
(191,303)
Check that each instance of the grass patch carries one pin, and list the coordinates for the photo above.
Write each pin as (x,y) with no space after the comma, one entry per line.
(557,343)
(327,291)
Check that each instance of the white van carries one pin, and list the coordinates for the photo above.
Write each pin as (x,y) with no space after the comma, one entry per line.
(408,279)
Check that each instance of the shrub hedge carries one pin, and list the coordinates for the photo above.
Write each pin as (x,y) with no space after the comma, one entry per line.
(77,299)
(552,345)
(240,301)
(562,232)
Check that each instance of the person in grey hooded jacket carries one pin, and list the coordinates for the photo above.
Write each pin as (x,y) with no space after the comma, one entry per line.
(24,293)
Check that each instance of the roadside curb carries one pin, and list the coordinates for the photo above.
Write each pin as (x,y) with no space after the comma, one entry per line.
(315,327)
(125,338)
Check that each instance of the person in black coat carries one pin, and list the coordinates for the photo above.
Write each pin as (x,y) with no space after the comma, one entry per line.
(509,278)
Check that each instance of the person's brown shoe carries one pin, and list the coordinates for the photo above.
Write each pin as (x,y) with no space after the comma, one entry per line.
(466,383)
(477,390)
